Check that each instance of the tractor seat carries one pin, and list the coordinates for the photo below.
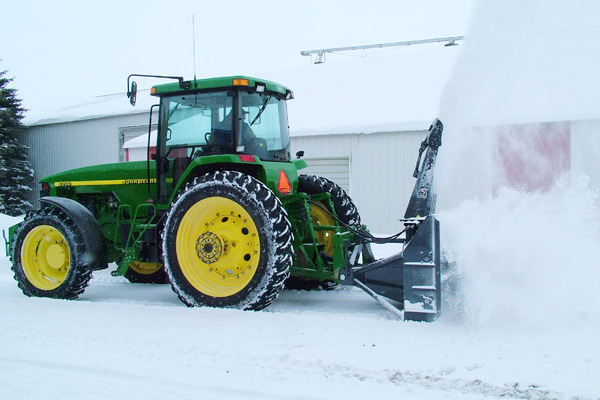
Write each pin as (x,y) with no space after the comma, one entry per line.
(258,147)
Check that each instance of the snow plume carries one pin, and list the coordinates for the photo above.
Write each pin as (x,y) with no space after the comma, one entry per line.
(530,61)
(522,253)
(525,259)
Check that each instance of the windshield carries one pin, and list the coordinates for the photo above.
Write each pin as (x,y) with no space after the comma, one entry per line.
(209,123)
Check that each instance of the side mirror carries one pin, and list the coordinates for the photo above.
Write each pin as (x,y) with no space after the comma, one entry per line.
(132,93)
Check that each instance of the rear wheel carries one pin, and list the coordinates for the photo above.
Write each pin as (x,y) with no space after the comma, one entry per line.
(49,256)
(344,209)
(227,242)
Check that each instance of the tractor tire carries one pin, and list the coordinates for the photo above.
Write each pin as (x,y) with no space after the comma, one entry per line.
(227,242)
(342,203)
(345,210)
(50,257)
(142,272)
(148,272)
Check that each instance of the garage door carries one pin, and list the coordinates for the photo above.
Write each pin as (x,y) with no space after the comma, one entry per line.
(336,169)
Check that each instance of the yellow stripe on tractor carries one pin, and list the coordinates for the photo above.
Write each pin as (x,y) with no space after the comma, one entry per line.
(107,182)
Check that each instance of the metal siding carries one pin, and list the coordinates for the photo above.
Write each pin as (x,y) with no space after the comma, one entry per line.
(336,169)
(67,145)
(130,132)
(381,167)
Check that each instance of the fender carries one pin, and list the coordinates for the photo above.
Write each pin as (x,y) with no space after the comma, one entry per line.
(86,224)
(265,171)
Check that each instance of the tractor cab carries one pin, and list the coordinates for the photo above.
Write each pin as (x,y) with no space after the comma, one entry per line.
(235,115)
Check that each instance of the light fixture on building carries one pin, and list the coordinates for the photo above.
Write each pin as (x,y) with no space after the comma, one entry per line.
(320,53)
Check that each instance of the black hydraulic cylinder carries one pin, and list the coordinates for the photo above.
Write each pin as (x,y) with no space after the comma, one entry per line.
(422,200)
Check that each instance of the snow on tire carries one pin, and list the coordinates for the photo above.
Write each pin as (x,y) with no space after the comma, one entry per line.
(227,242)
(49,256)
(342,203)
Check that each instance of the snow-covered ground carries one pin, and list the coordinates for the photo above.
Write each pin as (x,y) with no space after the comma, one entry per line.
(521,310)
(128,341)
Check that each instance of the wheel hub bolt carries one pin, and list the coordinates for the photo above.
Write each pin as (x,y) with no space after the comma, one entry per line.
(209,247)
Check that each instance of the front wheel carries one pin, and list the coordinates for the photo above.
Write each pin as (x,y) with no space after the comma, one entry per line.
(227,242)
(49,255)
(146,272)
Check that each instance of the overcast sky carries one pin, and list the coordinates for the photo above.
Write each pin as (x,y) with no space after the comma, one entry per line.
(63,51)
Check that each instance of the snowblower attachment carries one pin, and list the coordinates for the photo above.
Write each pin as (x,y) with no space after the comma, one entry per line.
(411,277)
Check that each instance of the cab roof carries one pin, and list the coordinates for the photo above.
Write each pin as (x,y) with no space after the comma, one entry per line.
(228,82)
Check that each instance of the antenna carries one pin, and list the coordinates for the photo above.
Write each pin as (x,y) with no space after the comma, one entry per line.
(194,45)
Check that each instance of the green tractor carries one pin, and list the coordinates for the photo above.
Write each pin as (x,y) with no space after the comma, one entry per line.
(221,213)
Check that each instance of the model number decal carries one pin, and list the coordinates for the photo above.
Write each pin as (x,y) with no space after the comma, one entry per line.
(106,182)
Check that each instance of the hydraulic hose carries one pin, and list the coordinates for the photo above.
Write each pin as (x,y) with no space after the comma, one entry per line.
(363,234)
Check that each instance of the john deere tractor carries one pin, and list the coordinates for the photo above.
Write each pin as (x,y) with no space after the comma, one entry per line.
(221,213)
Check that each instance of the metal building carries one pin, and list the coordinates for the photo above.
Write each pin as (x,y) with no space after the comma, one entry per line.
(57,146)
(375,167)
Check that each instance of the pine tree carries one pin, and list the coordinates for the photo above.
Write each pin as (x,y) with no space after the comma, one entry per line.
(16,174)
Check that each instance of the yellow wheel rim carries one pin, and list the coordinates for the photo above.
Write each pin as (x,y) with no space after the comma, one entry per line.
(321,218)
(45,257)
(145,268)
(218,247)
